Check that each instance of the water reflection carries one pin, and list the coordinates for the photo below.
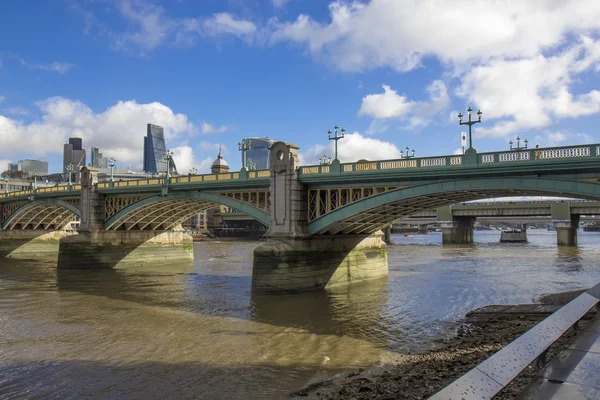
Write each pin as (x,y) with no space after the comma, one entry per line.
(193,331)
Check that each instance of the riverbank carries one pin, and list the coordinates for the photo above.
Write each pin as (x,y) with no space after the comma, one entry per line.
(422,375)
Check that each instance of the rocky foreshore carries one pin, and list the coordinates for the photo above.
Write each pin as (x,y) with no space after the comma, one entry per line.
(422,375)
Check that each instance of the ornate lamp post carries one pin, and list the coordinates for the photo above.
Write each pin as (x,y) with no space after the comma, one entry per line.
(111,164)
(244,146)
(336,138)
(470,123)
(324,160)
(402,155)
(192,171)
(70,169)
(251,165)
(168,159)
(519,147)
(35,175)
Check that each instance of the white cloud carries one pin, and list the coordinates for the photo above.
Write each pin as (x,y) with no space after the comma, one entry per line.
(185,160)
(225,23)
(17,111)
(560,138)
(384,33)
(118,131)
(60,67)
(352,148)
(390,104)
(150,26)
(207,128)
(530,93)
(279,3)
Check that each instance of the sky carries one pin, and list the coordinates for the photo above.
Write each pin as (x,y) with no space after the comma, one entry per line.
(392,73)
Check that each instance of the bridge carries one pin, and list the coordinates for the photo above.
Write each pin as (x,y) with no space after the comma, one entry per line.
(523,212)
(323,221)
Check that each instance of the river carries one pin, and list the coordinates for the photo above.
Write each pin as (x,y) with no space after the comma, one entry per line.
(197,331)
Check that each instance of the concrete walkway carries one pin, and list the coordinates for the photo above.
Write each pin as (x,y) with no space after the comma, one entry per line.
(573,374)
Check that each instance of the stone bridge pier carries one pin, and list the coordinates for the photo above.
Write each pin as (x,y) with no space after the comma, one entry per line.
(455,230)
(291,260)
(565,223)
(95,247)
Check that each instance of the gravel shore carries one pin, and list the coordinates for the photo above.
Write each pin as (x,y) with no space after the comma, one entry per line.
(420,376)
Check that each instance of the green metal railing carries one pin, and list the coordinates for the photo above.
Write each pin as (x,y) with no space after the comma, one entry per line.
(186,179)
(42,190)
(483,159)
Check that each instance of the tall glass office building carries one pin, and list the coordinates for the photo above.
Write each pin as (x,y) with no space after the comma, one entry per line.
(257,157)
(154,151)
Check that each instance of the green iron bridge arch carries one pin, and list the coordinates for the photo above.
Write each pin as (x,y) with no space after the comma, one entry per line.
(45,213)
(369,214)
(165,212)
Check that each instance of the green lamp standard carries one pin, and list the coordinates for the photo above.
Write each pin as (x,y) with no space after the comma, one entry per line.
(192,171)
(243,146)
(324,160)
(168,159)
(402,155)
(470,123)
(111,164)
(519,147)
(35,175)
(70,169)
(336,138)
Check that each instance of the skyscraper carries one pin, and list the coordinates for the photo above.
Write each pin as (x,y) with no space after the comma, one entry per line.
(97,160)
(74,154)
(154,151)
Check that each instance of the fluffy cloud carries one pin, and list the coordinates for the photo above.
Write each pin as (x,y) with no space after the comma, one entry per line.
(207,128)
(387,33)
(118,131)
(531,93)
(352,148)
(185,161)
(390,104)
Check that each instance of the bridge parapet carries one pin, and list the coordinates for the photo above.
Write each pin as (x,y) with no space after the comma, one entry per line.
(483,160)
(53,191)
(177,182)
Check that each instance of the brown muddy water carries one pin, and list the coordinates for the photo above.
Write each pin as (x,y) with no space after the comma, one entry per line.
(197,331)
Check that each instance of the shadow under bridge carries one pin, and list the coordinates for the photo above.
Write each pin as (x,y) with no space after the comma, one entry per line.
(367,215)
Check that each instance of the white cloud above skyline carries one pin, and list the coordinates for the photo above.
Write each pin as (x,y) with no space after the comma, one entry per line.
(206,128)
(118,131)
(352,148)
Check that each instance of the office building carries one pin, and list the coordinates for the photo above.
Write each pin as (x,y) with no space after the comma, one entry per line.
(97,160)
(154,151)
(74,153)
(257,155)
(31,166)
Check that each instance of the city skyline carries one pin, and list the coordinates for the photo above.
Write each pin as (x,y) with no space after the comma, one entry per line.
(215,73)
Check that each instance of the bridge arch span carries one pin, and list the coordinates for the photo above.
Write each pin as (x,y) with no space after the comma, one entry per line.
(372,213)
(166,212)
(41,214)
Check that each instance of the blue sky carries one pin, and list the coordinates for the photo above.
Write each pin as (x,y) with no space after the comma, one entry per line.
(393,73)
